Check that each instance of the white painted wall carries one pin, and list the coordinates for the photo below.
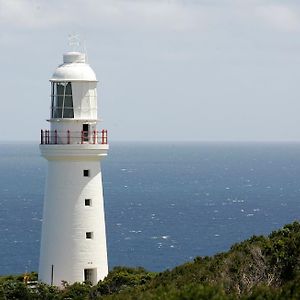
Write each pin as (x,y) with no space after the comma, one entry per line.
(75,128)
(66,218)
(84,100)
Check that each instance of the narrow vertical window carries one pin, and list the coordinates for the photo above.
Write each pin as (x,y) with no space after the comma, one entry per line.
(86,173)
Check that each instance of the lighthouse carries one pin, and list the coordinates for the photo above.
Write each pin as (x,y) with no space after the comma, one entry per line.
(73,243)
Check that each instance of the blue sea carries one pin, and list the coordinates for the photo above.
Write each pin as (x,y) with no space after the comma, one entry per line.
(165,203)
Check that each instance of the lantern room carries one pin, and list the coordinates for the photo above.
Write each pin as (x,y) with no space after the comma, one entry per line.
(73,89)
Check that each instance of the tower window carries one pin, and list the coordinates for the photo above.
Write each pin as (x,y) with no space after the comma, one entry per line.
(89,235)
(86,173)
(88,202)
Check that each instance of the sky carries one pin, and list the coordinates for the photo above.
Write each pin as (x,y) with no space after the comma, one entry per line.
(168,70)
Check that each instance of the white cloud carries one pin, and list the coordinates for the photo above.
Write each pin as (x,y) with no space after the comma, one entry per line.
(154,15)
(27,14)
(279,16)
(174,15)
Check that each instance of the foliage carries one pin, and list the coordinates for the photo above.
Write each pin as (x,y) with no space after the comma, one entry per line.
(121,278)
(76,291)
(258,268)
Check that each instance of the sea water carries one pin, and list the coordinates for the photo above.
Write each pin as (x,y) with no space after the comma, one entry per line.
(165,203)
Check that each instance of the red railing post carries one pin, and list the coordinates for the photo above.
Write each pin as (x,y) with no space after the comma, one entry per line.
(55,136)
(94,136)
(68,136)
(104,137)
(42,136)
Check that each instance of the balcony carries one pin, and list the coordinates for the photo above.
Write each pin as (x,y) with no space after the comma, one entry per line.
(72,137)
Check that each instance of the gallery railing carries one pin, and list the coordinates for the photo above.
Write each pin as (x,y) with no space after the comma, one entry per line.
(73,137)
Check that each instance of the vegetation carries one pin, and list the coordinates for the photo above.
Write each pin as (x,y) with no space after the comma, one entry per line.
(258,268)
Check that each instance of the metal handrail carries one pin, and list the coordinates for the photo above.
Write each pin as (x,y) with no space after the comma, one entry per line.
(73,137)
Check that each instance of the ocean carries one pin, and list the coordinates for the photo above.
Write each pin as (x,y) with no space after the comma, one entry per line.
(165,203)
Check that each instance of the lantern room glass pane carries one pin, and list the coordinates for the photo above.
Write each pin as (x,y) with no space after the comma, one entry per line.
(61,100)
(68,103)
(52,100)
(58,100)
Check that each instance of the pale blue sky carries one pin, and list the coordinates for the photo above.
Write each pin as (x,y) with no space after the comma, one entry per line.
(168,70)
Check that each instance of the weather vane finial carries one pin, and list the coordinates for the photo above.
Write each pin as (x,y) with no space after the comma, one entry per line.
(74,41)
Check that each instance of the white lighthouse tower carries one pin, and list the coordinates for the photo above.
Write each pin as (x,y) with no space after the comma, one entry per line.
(73,244)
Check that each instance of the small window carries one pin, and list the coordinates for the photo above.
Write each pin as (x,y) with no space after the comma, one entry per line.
(86,173)
(89,235)
(88,202)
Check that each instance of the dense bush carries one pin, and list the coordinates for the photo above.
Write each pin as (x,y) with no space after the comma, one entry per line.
(258,268)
